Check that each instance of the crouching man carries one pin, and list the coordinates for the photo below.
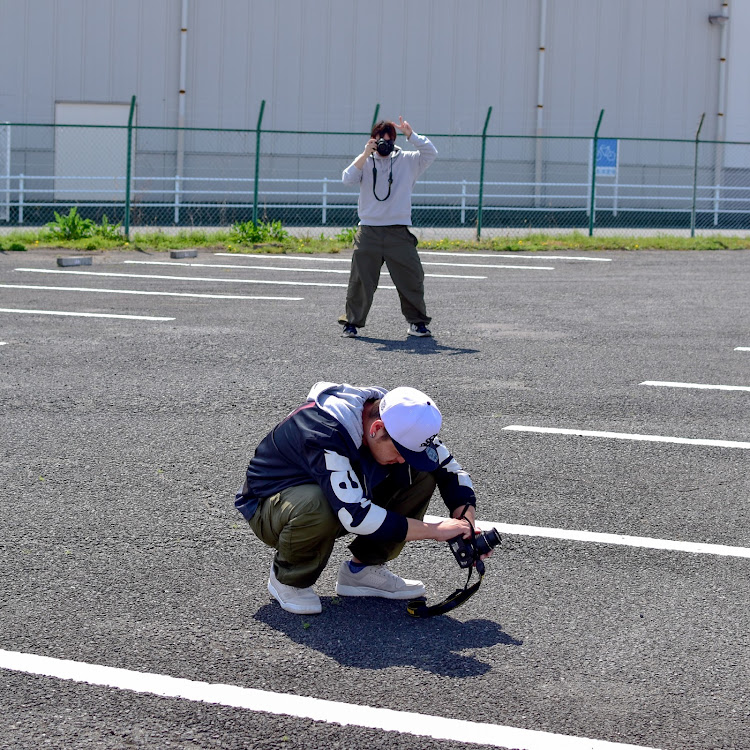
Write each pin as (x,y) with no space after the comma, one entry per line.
(351,460)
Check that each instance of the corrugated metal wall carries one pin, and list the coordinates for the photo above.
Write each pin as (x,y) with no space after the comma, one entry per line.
(90,51)
(325,64)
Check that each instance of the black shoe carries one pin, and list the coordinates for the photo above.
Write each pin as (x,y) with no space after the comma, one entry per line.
(350,331)
(418,329)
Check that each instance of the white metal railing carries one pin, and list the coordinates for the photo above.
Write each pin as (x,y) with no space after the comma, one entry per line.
(5,171)
(462,195)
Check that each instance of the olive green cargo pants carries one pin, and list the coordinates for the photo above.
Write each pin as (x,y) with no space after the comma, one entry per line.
(395,246)
(301,525)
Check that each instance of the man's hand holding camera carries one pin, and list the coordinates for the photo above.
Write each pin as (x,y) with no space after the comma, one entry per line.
(468,515)
(472,548)
(370,148)
(461,526)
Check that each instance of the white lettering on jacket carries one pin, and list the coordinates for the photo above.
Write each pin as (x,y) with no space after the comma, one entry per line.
(346,486)
(344,481)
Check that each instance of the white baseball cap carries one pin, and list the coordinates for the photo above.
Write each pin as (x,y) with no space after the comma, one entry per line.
(413,421)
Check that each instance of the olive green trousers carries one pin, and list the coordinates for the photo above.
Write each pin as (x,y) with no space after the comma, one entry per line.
(395,246)
(300,525)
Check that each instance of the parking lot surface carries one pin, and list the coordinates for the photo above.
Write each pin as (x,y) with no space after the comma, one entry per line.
(133,392)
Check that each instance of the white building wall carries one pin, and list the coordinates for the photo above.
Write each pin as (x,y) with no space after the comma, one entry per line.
(325,64)
(91,51)
(738,85)
(652,65)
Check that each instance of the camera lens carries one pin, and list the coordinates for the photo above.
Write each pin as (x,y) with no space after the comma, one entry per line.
(384,147)
(487,541)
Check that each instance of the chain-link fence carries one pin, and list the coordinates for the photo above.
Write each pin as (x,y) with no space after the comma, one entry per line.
(480,185)
(4,172)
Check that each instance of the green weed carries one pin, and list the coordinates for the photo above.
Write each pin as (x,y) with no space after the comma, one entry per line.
(108,231)
(347,235)
(246,233)
(70,227)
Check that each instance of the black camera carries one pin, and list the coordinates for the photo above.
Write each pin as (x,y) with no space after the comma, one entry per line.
(468,552)
(385,147)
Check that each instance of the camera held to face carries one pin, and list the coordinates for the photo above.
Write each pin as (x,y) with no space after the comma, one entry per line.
(385,146)
(468,552)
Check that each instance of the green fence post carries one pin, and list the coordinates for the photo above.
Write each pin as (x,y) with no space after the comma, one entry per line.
(257,163)
(128,169)
(593,175)
(375,116)
(481,175)
(695,178)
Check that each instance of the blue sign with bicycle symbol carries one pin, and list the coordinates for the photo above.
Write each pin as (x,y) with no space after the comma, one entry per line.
(606,157)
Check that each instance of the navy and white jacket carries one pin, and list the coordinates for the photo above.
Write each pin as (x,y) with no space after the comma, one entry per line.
(321,442)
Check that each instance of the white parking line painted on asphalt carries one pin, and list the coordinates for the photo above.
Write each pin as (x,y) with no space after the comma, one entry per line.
(629,436)
(514,255)
(576,535)
(742,348)
(265,256)
(317,709)
(283,268)
(703,386)
(235,265)
(80,314)
(489,265)
(138,291)
(184,278)
(424,263)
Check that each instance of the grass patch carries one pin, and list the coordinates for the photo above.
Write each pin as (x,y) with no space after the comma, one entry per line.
(577,241)
(276,242)
(183,240)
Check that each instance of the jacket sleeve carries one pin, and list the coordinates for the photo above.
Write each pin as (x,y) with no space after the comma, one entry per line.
(426,151)
(352,175)
(454,483)
(331,468)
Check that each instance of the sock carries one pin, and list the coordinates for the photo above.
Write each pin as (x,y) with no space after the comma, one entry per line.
(356,567)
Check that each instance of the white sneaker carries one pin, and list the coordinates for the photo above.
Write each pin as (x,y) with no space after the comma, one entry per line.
(376,580)
(292,599)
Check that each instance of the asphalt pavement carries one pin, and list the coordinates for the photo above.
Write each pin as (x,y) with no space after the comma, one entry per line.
(125,439)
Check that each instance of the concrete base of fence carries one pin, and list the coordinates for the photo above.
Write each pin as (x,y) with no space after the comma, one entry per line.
(75,261)
(183,254)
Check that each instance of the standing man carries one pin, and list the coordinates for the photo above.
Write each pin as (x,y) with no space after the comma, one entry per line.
(362,461)
(386,176)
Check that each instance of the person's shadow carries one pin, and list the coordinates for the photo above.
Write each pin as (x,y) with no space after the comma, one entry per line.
(415,345)
(376,634)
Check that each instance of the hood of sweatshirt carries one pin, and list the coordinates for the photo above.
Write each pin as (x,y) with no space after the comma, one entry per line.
(345,403)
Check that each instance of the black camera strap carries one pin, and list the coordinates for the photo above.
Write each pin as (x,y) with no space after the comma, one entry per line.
(419,608)
(375,179)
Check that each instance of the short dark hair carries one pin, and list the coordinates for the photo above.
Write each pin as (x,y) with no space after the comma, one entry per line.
(372,412)
(372,408)
(382,128)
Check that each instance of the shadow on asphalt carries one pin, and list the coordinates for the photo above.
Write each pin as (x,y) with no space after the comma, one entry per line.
(377,634)
(415,345)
